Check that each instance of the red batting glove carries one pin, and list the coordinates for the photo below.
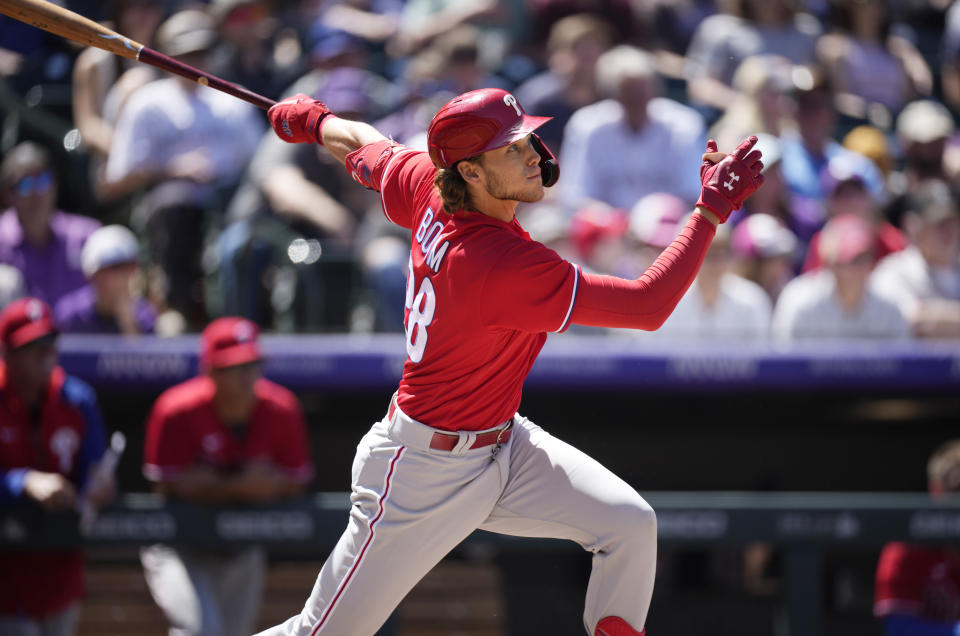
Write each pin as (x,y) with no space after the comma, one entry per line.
(728,183)
(297,119)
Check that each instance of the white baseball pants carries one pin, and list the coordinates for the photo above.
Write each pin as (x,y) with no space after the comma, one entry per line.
(412,505)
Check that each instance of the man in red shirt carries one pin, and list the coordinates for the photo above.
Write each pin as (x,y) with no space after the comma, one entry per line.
(452,454)
(51,442)
(918,586)
(228,435)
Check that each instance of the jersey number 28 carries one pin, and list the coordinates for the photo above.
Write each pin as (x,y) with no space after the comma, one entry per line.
(420,308)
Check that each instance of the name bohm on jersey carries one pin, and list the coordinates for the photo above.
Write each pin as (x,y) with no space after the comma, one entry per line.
(428,238)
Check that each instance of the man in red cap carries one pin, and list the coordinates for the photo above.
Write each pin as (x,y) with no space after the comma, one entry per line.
(452,454)
(51,441)
(228,435)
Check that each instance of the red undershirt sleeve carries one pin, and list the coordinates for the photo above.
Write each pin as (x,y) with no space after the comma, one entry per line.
(645,303)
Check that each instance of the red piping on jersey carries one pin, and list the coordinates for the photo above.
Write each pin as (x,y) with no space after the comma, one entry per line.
(346,581)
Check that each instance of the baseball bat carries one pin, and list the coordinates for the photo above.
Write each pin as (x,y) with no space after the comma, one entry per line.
(106,468)
(65,23)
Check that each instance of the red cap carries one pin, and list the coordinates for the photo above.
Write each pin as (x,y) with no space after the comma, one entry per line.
(24,321)
(844,238)
(475,122)
(228,342)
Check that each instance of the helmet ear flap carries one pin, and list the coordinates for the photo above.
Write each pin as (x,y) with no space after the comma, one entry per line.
(549,168)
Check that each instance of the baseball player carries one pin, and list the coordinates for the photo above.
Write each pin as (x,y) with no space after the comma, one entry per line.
(227,435)
(452,454)
(51,455)
(917,587)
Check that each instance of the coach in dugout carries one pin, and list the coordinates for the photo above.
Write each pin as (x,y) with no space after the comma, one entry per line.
(917,586)
(228,435)
(51,440)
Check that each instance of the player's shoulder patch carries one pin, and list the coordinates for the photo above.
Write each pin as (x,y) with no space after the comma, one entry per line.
(367,164)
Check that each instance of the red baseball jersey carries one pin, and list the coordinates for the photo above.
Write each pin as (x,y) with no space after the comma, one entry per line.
(922,581)
(67,439)
(481,295)
(184,429)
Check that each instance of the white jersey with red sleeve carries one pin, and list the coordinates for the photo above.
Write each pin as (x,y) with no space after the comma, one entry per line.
(481,296)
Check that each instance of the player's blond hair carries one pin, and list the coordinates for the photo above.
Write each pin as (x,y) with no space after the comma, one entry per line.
(943,467)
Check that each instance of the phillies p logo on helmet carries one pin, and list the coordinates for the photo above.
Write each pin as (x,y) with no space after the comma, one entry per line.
(476,122)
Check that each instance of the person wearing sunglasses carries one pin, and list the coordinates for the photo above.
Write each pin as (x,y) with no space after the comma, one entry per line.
(38,239)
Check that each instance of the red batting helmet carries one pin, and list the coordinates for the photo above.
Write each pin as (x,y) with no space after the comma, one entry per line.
(481,120)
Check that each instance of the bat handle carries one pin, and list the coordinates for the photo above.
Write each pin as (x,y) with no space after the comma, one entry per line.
(166,63)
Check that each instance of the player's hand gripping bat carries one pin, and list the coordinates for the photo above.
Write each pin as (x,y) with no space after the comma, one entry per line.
(65,23)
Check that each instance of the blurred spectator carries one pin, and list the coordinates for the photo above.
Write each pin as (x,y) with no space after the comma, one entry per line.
(847,194)
(774,198)
(809,145)
(102,81)
(619,15)
(11,284)
(949,57)
(329,48)
(872,143)
(111,303)
(923,129)
(41,241)
(836,302)
(744,28)
(762,103)
(869,65)
(720,306)
(548,223)
(246,52)
(502,24)
(654,222)
(924,279)
(372,21)
(293,193)
(226,436)
(185,147)
(669,25)
(917,587)
(31,57)
(453,63)
(633,143)
(51,441)
(574,45)
(764,251)
(597,233)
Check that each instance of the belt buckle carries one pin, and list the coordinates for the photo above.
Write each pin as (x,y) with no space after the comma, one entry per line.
(499,442)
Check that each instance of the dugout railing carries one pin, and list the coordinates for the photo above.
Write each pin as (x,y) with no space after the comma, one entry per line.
(802,525)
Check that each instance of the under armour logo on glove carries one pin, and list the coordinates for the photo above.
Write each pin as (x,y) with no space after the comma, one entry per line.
(723,190)
(298,118)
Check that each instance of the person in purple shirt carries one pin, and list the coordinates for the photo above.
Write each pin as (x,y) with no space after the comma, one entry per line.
(41,241)
(111,302)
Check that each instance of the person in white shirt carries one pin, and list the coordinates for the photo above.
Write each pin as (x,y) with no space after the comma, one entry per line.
(720,306)
(924,279)
(182,148)
(835,301)
(633,143)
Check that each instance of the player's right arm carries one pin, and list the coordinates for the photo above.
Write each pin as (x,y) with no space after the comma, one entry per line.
(302,119)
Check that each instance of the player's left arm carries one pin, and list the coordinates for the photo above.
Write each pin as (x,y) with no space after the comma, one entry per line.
(302,119)
(645,303)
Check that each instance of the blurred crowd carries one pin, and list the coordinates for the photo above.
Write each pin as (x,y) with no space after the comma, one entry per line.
(137,201)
